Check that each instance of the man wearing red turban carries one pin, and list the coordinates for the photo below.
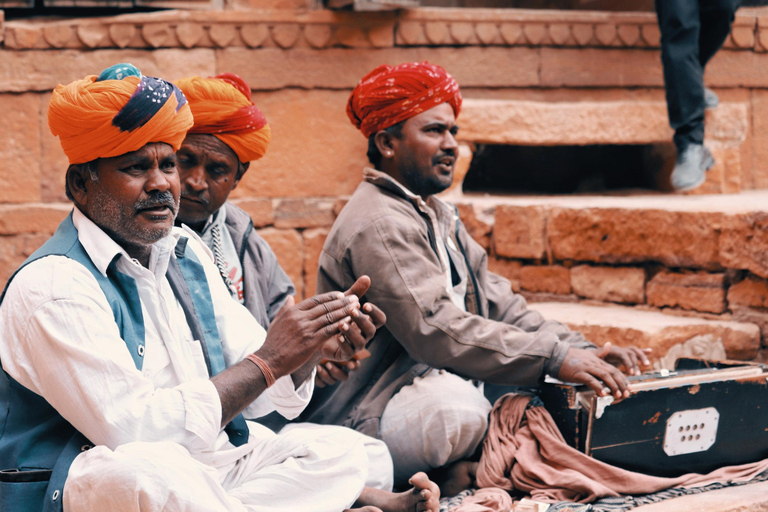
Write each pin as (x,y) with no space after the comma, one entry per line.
(451,324)
(128,369)
(389,95)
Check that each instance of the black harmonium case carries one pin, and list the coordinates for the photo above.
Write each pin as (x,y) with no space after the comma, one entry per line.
(697,418)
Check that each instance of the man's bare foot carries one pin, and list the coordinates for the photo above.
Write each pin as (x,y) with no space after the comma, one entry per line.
(364,509)
(455,478)
(423,497)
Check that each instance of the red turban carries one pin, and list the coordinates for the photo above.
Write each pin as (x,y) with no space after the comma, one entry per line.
(222,107)
(115,113)
(388,95)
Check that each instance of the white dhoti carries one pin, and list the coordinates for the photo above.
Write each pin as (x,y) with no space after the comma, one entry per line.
(439,419)
(379,460)
(308,469)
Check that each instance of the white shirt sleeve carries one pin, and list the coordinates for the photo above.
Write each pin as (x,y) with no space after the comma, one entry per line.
(241,335)
(288,400)
(58,338)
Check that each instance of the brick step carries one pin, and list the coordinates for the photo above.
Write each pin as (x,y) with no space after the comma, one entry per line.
(578,123)
(669,336)
(520,122)
(631,249)
(712,232)
(699,255)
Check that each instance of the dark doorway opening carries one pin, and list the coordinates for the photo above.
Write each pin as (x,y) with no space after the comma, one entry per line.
(505,169)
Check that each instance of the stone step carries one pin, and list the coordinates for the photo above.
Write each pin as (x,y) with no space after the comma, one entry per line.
(534,123)
(700,255)
(577,123)
(669,336)
(705,232)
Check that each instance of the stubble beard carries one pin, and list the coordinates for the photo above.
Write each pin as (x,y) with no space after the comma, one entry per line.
(121,222)
(422,185)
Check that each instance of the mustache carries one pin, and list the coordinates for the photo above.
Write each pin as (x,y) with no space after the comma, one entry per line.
(197,196)
(155,200)
(448,153)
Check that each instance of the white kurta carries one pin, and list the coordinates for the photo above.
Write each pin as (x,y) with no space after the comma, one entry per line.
(59,339)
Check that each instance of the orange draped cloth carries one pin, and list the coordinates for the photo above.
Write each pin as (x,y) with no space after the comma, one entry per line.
(223,108)
(525,451)
(91,121)
(391,94)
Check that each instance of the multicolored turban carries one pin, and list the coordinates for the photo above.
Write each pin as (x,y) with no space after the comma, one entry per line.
(222,107)
(117,112)
(391,94)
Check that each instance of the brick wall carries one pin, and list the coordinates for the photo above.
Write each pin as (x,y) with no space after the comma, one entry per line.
(302,65)
(685,256)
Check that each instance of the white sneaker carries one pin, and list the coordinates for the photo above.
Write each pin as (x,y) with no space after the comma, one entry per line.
(691,168)
(710,99)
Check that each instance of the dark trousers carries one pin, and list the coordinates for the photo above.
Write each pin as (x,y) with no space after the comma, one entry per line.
(691,33)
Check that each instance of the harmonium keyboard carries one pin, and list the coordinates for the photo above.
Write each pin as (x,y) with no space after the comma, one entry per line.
(699,417)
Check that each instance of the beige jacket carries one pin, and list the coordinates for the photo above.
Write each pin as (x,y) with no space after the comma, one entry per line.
(387,233)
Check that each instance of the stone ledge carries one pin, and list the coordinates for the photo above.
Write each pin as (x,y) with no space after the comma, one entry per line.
(728,204)
(548,123)
(650,329)
(284,28)
(698,232)
(207,29)
(588,122)
(509,27)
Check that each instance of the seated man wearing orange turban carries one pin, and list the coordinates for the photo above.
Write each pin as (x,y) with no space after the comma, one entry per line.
(229,133)
(127,368)
(451,324)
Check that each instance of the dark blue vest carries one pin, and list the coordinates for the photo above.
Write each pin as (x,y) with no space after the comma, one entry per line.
(37,445)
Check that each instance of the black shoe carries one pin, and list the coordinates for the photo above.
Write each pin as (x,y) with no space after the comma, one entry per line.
(691,168)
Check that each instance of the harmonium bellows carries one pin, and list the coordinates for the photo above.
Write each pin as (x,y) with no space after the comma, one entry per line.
(699,417)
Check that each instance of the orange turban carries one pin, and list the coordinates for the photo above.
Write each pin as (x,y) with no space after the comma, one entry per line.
(115,113)
(391,94)
(222,107)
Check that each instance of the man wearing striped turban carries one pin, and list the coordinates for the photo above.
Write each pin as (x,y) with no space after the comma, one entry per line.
(451,324)
(229,133)
(127,367)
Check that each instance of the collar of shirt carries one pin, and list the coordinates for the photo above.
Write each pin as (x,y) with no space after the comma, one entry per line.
(441,211)
(102,249)
(217,218)
(385,181)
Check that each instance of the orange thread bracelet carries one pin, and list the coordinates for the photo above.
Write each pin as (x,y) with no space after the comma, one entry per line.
(264,367)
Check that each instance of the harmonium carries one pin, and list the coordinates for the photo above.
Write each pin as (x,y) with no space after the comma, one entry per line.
(698,417)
